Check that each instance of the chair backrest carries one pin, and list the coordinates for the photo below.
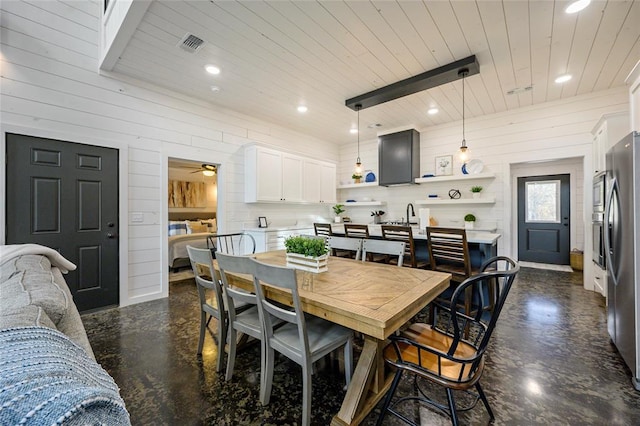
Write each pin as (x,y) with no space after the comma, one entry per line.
(285,278)
(323,229)
(352,230)
(404,234)
(203,257)
(449,252)
(478,328)
(237,243)
(344,243)
(392,248)
(239,265)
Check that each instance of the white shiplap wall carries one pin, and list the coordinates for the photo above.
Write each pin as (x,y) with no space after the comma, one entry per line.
(51,89)
(503,141)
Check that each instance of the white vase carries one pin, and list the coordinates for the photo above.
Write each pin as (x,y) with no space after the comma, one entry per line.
(475,194)
(468,225)
(337,219)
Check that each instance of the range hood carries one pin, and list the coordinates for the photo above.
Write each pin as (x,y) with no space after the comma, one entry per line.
(399,158)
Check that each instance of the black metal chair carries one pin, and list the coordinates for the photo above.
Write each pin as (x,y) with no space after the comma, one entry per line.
(235,244)
(443,353)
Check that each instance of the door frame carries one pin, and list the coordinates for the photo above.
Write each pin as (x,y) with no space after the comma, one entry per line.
(123,185)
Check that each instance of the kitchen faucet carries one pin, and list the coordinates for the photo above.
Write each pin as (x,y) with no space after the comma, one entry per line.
(413,213)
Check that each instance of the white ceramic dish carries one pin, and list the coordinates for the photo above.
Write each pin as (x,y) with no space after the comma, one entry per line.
(474,167)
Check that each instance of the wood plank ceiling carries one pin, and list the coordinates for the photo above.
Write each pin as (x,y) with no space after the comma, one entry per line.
(275,55)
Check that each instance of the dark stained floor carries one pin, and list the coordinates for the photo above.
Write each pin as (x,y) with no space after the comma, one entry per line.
(550,363)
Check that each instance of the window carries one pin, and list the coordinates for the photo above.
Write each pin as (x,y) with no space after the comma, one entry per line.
(543,201)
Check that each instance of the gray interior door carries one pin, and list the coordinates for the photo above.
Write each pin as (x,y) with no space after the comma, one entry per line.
(65,196)
(544,205)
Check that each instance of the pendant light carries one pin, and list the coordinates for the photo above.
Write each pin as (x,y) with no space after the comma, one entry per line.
(463,153)
(358,169)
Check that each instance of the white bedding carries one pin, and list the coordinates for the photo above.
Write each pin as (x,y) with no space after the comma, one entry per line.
(178,245)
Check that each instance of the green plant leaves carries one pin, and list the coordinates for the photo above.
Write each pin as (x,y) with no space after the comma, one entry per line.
(313,247)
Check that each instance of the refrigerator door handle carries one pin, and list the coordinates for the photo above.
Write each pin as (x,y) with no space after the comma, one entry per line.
(608,229)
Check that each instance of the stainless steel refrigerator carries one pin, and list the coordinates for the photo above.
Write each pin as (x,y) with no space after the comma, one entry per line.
(622,236)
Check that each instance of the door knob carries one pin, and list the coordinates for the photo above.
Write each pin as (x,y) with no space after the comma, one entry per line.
(111,235)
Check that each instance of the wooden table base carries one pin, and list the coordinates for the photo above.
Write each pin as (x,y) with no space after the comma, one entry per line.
(368,385)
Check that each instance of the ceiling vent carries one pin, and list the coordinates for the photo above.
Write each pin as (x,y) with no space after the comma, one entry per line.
(191,43)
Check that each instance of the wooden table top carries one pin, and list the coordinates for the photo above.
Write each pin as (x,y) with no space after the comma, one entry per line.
(371,298)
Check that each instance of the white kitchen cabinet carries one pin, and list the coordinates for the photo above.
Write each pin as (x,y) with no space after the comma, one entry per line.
(600,280)
(319,182)
(606,133)
(633,81)
(272,176)
(273,239)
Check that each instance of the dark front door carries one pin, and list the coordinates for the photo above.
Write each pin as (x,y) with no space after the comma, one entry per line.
(64,195)
(543,219)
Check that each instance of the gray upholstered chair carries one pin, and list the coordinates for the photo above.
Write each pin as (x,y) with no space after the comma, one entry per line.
(303,339)
(385,247)
(245,320)
(343,243)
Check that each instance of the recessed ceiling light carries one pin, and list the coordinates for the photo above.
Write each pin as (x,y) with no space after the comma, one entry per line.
(374,125)
(432,111)
(577,6)
(353,130)
(215,89)
(563,78)
(212,69)
(302,108)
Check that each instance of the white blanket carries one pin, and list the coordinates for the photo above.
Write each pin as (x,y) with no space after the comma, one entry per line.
(14,250)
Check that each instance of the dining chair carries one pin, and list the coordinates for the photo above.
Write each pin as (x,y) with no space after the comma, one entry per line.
(245,320)
(383,247)
(235,243)
(449,252)
(404,234)
(303,339)
(207,279)
(353,230)
(352,245)
(443,354)
(322,229)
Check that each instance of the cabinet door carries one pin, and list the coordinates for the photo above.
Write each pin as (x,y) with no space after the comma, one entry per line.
(268,175)
(312,181)
(291,178)
(328,183)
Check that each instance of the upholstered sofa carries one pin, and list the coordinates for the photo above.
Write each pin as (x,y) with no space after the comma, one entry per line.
(48,372)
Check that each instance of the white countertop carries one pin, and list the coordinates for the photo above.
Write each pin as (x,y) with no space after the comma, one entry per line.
(280,228)
(478,237)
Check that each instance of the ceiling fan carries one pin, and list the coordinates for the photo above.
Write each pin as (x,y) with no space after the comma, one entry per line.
(207,169)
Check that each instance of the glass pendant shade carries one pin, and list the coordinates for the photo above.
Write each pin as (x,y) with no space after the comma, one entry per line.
(463,152)
(358,170)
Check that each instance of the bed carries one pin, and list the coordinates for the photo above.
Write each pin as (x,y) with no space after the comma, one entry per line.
(188,229)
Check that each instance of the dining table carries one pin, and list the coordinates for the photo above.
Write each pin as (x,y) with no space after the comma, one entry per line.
(371,298)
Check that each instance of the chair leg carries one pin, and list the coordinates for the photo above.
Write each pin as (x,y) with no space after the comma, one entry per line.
(390,393)
(222,340)
(483,397)
(306,393)
(452,407)
(266,376)
(231,356)
(348,361)
(203,326)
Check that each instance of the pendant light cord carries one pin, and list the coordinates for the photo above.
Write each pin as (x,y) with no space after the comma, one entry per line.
(358,159)
(463,136)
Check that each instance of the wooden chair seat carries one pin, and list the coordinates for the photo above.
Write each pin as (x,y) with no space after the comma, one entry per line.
(450,370)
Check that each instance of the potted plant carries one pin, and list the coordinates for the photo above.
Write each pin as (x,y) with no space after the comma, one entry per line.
(469,221)
(356,177)
(308,254)
(338,209)
(475,191)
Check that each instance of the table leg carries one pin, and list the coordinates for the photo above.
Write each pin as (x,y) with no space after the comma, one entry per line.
(368,385)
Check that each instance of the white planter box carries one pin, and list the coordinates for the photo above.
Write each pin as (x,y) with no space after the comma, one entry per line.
(308,263)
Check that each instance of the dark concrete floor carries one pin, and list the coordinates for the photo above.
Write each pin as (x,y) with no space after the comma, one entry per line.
(550,362)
